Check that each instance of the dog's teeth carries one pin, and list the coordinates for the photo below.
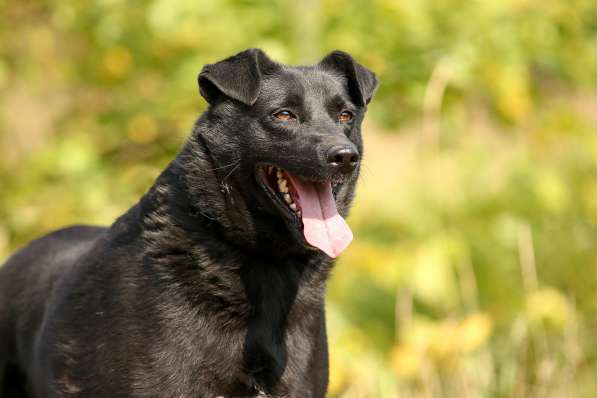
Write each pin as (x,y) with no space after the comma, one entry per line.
(282,186)
(293,206)
(287,198)
(299,213)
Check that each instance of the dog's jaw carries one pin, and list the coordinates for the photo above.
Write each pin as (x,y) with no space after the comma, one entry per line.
(309,208)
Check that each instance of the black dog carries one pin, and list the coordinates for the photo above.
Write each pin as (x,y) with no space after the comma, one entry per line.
(213,284)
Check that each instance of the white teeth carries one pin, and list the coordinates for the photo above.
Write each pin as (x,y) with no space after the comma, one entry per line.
(299,213)
(282,186)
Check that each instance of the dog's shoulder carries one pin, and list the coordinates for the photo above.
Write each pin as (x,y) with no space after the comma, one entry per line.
(54,248)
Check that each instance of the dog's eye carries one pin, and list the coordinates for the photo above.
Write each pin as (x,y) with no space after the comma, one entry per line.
(345,116)
(284,115)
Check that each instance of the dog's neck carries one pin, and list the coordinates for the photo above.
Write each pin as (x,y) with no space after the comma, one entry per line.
(180,213)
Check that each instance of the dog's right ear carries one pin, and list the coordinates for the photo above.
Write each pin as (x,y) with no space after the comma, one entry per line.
(237,77)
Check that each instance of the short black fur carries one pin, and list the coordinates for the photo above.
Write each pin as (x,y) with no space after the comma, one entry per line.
(204,288)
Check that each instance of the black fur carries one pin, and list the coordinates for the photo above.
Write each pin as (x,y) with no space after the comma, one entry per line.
(204,288)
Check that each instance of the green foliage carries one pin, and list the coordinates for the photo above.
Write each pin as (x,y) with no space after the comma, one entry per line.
(473,269)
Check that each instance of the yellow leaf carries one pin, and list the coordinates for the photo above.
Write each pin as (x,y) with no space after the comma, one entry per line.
(117,62)
(142,129)
(548,306)
(473,331)
(406,361)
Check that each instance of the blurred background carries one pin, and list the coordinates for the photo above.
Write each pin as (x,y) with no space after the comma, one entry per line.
(474,268)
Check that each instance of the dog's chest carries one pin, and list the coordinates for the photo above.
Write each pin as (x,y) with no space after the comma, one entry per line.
(259,356)
(230,365)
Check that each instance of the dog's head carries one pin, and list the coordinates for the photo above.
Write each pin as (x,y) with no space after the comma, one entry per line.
(288,142)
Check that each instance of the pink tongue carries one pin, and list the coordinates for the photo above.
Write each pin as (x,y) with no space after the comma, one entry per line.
(323,226)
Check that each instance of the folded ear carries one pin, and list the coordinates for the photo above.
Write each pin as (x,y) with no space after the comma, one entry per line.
(237,77)
(361,81)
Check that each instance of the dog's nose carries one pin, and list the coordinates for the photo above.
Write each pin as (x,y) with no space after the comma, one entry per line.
(343,159)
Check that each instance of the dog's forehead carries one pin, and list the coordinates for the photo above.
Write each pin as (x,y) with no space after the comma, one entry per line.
(304,82)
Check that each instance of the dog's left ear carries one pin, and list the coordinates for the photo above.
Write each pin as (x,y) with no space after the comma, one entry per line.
(361,81)
(237,77)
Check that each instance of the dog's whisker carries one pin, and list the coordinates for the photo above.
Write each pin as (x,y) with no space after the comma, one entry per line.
(235,163)
(367,171)
(232,171)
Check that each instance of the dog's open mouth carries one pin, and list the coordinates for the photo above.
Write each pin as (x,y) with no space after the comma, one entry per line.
(310,206)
